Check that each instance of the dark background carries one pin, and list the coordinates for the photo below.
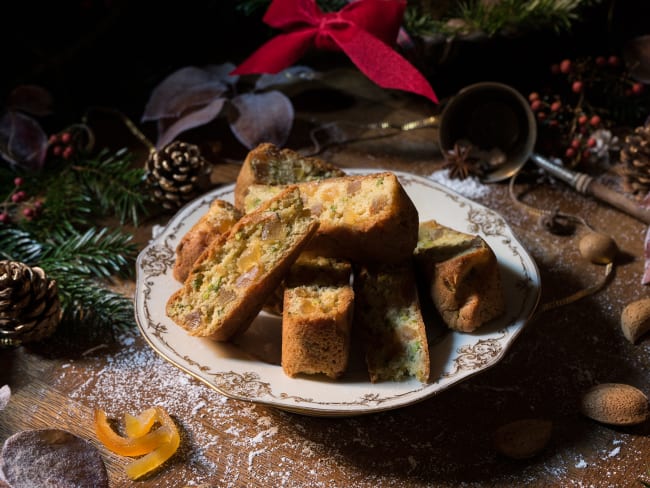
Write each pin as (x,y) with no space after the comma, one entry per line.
(113,53)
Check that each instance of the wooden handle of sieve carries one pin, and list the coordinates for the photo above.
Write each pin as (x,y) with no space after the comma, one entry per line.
(586,185)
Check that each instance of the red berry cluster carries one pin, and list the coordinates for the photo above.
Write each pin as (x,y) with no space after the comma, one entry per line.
(579,103)
(19,205)
(600,70)
(570,129)
(62,145)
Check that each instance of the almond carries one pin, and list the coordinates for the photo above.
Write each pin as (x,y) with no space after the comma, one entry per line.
(635,319)
(524,438)
(598,248)
(615,404)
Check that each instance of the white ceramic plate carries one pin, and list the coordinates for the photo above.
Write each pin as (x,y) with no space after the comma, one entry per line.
(250,370)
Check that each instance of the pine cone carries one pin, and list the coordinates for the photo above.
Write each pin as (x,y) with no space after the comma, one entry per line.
(176,174)
(635,160)
(30,308)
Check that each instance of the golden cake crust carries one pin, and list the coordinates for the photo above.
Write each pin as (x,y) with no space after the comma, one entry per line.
(268,164)
(363,218)
(218,220)
(462,275)
(317,318)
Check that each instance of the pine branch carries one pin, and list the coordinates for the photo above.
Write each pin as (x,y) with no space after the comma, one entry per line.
(88,302)
(115,184)
(19,245)
(99,253)
(506,16)
(66,202)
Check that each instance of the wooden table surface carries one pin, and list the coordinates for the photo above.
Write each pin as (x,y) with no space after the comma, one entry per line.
(444,441)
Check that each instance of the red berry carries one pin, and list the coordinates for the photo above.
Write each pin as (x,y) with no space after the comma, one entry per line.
(28,212)
(582,120)
(4,217)
(591,142)
(19,196)
(565,66)
(66,137)
(555,68)
(555,106)
(38,204)
(637,88)
(541,115)
(613,61)
(67,152)
(575,143)
(600,61)
(570,152)
(577,86)
(57,150)
(595,120)
(53,138)
(533,96)
(536,105)
(586,154)
(553,123)
(18,181)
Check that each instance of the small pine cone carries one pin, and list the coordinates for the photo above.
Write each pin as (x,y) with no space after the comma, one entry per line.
(635,162)
(177,174)
(30,308)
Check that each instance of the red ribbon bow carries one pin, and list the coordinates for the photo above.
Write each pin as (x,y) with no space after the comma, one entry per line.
(363,30)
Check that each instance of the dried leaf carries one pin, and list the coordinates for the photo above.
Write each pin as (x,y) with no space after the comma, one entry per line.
(262,117)
(637,58)
(222,72)
(22,140)
(191,120)
(31,99)
(187,89)
(289,76)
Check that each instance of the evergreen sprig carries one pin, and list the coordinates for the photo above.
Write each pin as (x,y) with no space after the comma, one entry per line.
(64,238)
(19,245)
(88,302)
(114,184)
(96,252)
(520,15)
(81,264)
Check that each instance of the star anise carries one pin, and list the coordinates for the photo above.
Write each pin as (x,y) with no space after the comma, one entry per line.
(460,165)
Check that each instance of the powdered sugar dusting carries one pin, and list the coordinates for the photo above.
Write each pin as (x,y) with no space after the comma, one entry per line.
(470,187)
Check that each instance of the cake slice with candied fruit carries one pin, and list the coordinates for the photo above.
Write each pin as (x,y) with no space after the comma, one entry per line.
(237,273)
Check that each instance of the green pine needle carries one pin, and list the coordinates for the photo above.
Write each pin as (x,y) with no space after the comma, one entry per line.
(115,184)
(19,245)
(64,239)
(99,253)
(88,302)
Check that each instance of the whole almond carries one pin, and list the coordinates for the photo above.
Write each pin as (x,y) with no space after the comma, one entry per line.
(524,438)
(635,319)
(615,404)
(598,248)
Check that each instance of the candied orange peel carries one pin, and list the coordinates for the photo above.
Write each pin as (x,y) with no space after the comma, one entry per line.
(156,445)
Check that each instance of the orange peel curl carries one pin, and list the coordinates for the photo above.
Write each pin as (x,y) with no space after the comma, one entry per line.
(156,445)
